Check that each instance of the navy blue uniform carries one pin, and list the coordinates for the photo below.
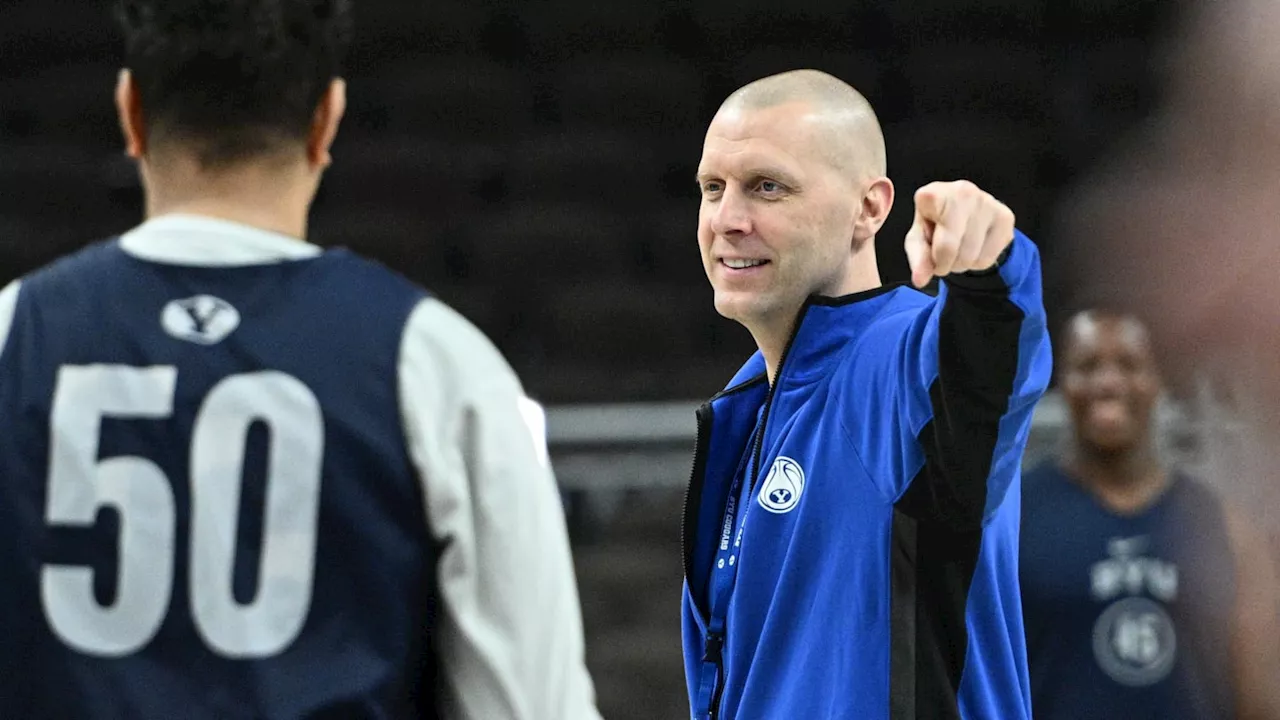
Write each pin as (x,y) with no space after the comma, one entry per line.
(1127,617)
(195,483)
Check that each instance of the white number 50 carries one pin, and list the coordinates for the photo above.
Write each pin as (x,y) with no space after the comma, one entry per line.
(80,484)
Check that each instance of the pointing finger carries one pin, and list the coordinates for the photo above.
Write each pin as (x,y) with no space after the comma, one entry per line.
(919,256)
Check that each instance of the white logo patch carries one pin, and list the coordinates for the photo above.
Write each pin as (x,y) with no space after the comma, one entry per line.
(203,319)
(1135,643)
(782,488)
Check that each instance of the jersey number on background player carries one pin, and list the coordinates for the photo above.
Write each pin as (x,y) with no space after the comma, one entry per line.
(80,484)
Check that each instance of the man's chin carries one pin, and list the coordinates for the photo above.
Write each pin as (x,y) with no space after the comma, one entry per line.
(737,306)
(756,312)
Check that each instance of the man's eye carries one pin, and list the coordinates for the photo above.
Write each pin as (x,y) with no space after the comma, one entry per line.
(769,186)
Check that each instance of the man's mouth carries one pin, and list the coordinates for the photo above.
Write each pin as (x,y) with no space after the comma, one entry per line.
(742,263)
(1108,411)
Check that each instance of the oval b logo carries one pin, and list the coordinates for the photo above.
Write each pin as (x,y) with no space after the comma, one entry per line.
(203,319)
(782,488)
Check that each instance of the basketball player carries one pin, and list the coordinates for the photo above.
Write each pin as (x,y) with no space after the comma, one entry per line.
(1181,227)
(1144,596)
(248,478)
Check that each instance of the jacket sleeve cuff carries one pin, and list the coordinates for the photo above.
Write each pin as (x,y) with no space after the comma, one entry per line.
(1008,270)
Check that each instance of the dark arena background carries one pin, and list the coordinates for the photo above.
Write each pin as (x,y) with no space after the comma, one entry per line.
(532,163)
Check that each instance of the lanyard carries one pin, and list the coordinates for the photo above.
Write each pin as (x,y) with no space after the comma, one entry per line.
(724,577)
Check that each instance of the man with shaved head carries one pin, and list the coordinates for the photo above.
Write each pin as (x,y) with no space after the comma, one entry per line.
(851,530)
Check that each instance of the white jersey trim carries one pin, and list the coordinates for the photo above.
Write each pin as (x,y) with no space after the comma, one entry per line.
(8,305)
(209,242)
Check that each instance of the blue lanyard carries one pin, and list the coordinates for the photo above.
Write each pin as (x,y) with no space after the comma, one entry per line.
(724,576)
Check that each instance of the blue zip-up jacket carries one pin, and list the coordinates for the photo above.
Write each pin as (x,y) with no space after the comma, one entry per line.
(876,544)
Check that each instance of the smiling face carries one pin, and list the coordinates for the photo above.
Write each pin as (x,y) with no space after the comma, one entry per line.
(777,220)
(1110,382)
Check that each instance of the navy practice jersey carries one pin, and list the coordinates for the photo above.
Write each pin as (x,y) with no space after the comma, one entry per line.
(244,478)
(1128,617)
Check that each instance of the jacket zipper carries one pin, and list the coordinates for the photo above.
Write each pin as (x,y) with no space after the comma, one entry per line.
(703,415)
(713,647)
(713,651)
(768,402)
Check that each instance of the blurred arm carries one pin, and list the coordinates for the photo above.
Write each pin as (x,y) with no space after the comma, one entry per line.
(1256,637)
(8,303)
(510,633)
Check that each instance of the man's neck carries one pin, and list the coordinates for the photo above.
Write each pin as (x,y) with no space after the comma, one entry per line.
(772,349)
(289,224)
(1125,482)
(773,335)
(277,201)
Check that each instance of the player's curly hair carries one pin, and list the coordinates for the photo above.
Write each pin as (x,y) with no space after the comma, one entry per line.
(233,78)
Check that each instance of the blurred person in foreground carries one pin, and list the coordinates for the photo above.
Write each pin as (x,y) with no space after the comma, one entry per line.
(1145,596)
(245,477)
(1184,227)
(851,531)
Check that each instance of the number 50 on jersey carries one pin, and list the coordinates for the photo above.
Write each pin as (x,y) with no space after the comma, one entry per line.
(80,485)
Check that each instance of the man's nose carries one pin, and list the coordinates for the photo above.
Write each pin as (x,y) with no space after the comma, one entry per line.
(732,216)
(1109,378)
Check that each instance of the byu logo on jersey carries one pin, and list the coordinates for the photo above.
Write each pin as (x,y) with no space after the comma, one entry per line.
(1134,639)
(782,488)
(203,319)
(1135,642)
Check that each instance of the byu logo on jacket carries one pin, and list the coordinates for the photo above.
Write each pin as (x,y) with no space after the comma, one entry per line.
(782,488)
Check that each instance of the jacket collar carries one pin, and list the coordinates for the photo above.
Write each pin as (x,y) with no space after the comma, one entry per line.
(824,326)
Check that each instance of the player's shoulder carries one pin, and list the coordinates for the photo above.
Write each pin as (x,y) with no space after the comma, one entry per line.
(900,306)
(354,263)
(75,268)
(1046,472)
(883,320)
(440,340)
(364,275)
(1212,520)
(57,281)
(875,322)
(436,338)
(1044,485)
(1195,502)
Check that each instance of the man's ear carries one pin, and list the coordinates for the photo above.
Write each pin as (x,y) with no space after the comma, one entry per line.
(129,110)
(874,209)
(325,122)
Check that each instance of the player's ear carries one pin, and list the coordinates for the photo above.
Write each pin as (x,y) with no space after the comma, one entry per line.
(324,124)
(877,201)
(129,110)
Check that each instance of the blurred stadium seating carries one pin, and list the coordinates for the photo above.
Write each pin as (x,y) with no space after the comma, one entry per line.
(527,146)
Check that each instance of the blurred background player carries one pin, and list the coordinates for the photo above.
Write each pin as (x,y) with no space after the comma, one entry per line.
(1144,596)
(1182,227)
(248,478)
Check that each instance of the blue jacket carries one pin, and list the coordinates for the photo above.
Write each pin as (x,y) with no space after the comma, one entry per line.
(869,569)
